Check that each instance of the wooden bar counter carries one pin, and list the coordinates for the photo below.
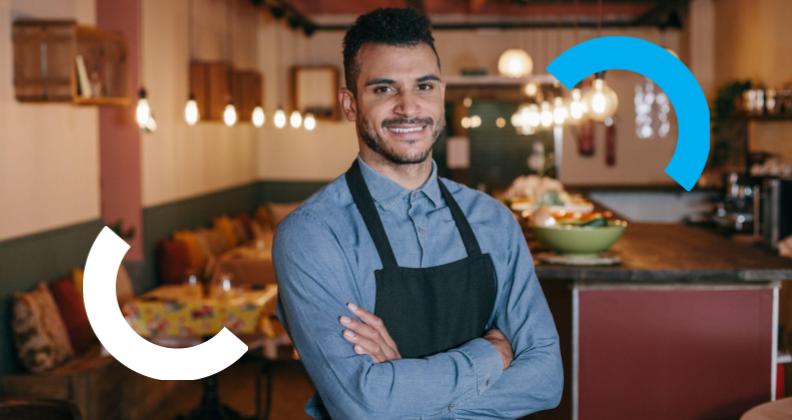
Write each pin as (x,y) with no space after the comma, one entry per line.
(686,327)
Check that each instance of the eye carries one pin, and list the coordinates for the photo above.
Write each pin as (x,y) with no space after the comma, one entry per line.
(379,90)
(425,86)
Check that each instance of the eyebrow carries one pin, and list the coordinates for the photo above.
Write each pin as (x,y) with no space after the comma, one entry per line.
(426,78)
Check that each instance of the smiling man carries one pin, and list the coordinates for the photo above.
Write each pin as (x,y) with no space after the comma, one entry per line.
(408,295)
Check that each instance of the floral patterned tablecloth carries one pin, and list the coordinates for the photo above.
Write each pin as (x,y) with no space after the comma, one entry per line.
(184,311)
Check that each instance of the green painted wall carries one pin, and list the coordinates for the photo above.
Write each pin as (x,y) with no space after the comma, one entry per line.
(51,254)
(41,257)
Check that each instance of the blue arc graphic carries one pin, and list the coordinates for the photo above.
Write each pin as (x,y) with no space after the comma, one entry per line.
(654,62)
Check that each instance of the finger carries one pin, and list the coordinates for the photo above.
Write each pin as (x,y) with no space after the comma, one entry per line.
(363,345)
(366,316)
(374,321)
(389,351)
(360,328)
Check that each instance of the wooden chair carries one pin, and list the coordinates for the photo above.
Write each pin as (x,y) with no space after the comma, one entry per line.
(274,349)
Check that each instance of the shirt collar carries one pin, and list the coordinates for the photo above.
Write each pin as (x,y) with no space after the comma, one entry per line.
(386,192)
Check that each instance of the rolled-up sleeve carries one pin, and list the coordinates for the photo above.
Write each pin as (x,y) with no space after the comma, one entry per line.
(315,284)
(534,380)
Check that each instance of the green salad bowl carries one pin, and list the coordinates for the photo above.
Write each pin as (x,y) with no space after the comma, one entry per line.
(570,239)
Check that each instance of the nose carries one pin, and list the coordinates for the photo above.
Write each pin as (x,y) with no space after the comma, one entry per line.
(407,104)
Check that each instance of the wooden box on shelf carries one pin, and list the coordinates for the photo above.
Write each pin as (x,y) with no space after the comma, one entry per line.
(211,82)
(246,89)
(62,61)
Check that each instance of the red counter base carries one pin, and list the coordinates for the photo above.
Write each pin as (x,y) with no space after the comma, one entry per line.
(697,352)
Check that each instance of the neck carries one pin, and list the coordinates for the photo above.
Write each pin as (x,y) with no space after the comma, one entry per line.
(410,176)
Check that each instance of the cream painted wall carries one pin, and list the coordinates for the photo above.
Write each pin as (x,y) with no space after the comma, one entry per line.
(297,155)
(180,161)
(753,42)
(49,165)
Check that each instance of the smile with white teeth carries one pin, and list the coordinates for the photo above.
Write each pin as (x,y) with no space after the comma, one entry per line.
(401,130)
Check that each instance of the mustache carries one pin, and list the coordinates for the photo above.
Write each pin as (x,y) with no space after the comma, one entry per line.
(411,121)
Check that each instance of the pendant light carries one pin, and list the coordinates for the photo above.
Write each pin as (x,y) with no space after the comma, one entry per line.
(143,115)
(577,108)
(515,62)
(546,115)
(229,113)
(142,109)
(309,122)
(295,119)
(560,112)
(258,118)
(191,113)
(279,119)
(601,101)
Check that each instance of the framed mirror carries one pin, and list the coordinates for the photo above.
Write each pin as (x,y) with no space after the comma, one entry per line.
(315,90)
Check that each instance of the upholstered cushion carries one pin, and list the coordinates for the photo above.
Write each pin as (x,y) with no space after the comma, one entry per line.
(202,236)
(224,225)
(174,261)
(72,311)
(77,277)
(264,216)
(239,230)
(40,336)
(124,288)
(279,211)
(218,242)
(246,222)
(196,254)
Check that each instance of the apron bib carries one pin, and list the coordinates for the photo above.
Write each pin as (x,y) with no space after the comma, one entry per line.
(433,309)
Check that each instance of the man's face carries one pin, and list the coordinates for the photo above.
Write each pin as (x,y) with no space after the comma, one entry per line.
(399,105)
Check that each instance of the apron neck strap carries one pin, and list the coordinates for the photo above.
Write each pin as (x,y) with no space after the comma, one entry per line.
(465,231)
(365,204)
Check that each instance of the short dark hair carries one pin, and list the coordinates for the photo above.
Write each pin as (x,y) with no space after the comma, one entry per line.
(390,26)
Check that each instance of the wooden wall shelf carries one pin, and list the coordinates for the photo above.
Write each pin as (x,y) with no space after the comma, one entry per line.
(214,82)
(63,61)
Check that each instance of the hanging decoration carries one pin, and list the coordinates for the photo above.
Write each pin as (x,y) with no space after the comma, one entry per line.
(652,110)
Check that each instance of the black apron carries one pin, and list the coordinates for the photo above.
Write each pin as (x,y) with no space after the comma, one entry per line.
(434,309)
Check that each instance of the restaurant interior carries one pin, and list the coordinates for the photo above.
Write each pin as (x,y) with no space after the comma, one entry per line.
(191,128)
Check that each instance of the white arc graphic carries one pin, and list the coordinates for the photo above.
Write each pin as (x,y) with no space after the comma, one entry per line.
(129,348)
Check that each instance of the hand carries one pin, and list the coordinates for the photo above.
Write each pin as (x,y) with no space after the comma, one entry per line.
(369,336)
(501,344)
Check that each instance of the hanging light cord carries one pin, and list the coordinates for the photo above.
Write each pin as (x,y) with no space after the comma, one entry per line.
(229,28)
(190,28)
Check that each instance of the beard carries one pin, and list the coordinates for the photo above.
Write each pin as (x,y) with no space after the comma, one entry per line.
(376,143)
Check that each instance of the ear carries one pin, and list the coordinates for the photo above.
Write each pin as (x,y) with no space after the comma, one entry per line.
(348,104)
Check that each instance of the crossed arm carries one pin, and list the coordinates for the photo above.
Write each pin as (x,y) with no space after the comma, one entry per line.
(315,288)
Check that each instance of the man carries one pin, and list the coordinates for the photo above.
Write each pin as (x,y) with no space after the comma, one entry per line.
(406,295)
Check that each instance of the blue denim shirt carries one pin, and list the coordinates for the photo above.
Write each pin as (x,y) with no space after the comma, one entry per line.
(324,258)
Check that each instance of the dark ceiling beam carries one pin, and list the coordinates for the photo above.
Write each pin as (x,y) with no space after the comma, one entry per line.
(283,9)
(665,14)
(456,26)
